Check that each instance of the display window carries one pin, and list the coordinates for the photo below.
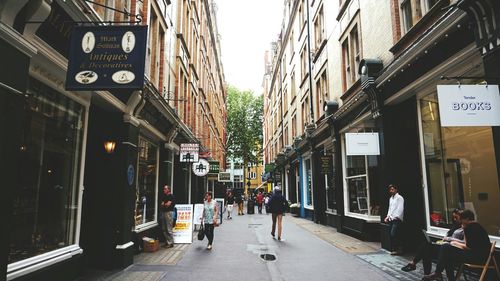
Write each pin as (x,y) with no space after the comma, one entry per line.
(147,184)
(308,184)
(360,178)
(331,198)
(460,169)
(45,198)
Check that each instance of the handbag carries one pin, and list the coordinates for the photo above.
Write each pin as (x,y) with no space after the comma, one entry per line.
(201,233)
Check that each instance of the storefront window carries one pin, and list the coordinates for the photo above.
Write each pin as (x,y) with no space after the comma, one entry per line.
(145,210)
(45,203)
(331,199)
(461,169)
(308,185)
(360,181)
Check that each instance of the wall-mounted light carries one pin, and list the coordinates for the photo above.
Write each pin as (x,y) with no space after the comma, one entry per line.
(109,146)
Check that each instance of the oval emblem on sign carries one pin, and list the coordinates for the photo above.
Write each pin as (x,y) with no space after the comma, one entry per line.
(128,42)
(86,77)
(123,77)
(88,42)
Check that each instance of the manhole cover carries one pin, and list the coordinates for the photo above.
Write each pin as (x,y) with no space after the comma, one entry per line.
(268,257)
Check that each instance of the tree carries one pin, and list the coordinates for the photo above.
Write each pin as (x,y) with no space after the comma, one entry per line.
(244,126)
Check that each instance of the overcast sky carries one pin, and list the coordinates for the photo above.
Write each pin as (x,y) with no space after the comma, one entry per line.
(247,28)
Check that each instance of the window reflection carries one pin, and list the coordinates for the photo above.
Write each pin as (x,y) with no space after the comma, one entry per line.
(146,189)
(461,169)
(46,196)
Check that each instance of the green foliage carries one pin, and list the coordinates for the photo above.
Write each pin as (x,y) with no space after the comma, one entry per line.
(244,125)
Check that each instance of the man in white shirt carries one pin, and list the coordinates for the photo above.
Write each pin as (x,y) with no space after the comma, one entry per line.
(394,218)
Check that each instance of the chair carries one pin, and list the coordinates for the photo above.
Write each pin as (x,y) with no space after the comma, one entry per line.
(484,267)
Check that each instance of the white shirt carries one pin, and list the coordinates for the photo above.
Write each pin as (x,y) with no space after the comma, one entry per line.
(396,207)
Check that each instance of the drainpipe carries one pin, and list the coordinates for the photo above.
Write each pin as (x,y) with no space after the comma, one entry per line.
(309,62)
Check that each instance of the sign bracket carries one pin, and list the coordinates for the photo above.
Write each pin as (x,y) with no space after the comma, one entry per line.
(125,12)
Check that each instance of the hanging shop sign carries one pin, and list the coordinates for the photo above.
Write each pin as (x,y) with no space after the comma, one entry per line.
(183,230)
(224,177)
(469,105)
(201,167)
(362,144)
(269,167)
(189,152)
(106,58)
(214,167)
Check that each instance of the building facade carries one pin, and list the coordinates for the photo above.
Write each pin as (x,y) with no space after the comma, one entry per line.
(382,64)
(86,168)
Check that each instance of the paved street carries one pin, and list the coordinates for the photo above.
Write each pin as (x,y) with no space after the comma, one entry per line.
(309,252)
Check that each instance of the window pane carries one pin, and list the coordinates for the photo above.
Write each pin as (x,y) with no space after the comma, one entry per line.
(46,194)
(461,169)
(308,182)
(146,190)
(355,165)
(358,196)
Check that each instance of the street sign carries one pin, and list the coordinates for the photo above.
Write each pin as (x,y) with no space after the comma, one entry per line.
(224,177)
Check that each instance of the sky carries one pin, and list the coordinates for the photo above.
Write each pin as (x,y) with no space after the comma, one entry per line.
(247,28)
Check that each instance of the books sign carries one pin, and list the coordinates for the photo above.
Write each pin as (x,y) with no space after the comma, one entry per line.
(469,105)
(106,57)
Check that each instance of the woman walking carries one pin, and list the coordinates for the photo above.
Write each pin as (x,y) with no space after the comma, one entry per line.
(209,217)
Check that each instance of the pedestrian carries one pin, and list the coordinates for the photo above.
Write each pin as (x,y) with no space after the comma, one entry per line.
(428,249)
(259,199)
(229,204)
(239,200)
(277,206)
(395,218)
(167,206)
(209,218)
(266,203)
(474,250)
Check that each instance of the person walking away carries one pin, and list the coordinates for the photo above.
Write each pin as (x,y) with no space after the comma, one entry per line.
(259,198)
(266,203)
(229,204)
(395,218)
(209,216)
(427,250)
(277,206)
(475,249)
(239,201)
(167,206)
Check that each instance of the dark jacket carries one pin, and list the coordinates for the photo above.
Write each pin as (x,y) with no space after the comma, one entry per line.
(277,203)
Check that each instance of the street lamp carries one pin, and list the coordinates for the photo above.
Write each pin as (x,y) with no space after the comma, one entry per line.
(109,146)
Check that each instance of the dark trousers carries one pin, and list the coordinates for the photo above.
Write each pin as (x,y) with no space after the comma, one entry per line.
(450,256)
(395,227)
(259,207)
(209,232)
(425,253)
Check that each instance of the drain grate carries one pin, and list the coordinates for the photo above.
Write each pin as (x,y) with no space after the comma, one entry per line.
(268,257)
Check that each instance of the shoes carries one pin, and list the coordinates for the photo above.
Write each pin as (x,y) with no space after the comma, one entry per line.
(432,277)
(168,245)
(279,238)
(396,253)
(209,247)
(409,267)
(272,234)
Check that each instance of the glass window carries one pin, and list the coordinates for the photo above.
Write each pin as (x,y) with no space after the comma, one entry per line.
(145,210)
(361,187)
(406,15)
(308,184)
(331,199)
(45,205)
(461,169)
